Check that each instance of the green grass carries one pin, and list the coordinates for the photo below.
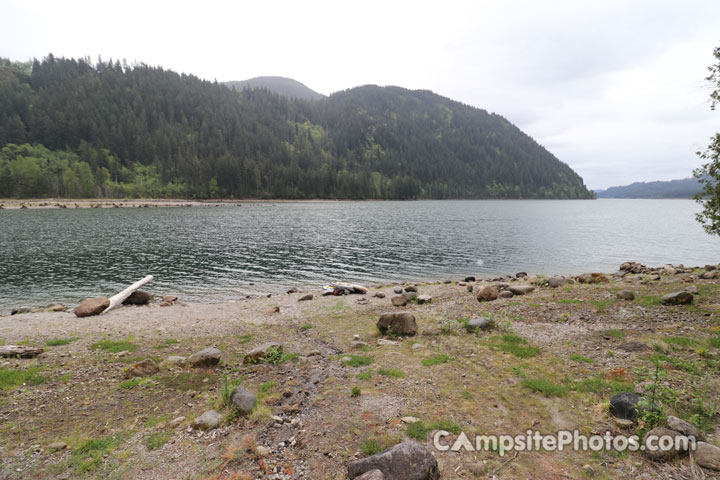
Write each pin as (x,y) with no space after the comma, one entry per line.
(677,363)
(242,339)
(307,326)
(648,300)
(267,386)
(89,456)
(129,384)
(680,341)
(579,358)
(186,381)
(546,387)
(420,430)
(568,301)
(436,360)
(153,420)
(167,343)
(391,372)
(714,341)
(370,447)
(614,333)
(601,305)
(364,375)
(467,395)
(114,346)
(358,361)
(156,440)
(10,379)
(514,345)
(60,341)
(355,392)
(603,386)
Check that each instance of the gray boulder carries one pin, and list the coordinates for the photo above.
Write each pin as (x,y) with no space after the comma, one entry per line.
(421,299)
(661,455)
(18,310)
(555,282)
(624,405)
(398,290)
(406,461)
(686,428)
(305,297)
(411,288)
(505,294)
(243,400)
(207,357)
(520,289)
(677,298)
(707,456)
(625,295)
(173,361)
(207,421)
(402,323)
(480,323)
(399,301)
(371,475)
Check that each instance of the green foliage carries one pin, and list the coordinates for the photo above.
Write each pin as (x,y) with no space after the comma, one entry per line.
(10,378)
(60,341)
(681,341)
(545,386)
(355,391)
(677,363)
(167,343)
(714,341)
(514,345)
(614,333)
(603,386)
(648,300)
(420,430)
(579,358)
(391,372)
(88,457)
(709,173)
(370,447)
(436,360)
(364,375)
(114,346)
(129,384)
(358,361)
(140,131)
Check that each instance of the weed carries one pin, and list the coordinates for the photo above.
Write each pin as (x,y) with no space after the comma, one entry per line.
(306,327)
(648,301)
(714,342)
(226,390)
(601,305)
(679,341)
(419,430)
(467,394)
(128,384)
(89,456)
(267,386)
(579,358)
(678,364)
(514,345)
(436,360)
(603,386)
(113,346)
(12,378)
(153,420)
(242,339)
(355,392)
(156,440)
(391,372)
(358,361)
(546,387)
(364,375)
(60,341)
(614,333)
(167,343)
(370,447)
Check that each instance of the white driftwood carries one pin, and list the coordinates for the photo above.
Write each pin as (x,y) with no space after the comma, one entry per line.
(19,351)
(117,300)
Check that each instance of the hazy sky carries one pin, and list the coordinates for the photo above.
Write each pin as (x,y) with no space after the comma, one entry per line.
(613,88)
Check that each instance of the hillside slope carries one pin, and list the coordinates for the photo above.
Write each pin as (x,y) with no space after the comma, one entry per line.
(286,87)
(684,188)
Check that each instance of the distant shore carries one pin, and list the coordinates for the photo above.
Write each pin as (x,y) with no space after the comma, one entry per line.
(35,204)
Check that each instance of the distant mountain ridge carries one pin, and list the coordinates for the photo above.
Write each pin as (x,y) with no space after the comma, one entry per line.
(685,188)
(286,87)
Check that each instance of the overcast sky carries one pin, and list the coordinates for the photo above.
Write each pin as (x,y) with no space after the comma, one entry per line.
(613,88)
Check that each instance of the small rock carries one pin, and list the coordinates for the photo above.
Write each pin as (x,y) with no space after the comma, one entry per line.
(398,290)
(478,469)
(398,301)
(707,456)
(462,284)
(624,405)
(92,306)
(402,323)
(692,289)
(659,455)
(625,295)
(708,275)
(480,323)
(142,369)
(417,346)
(486,293)
(138,297)
(431,332)
(421,299)
(358,344)
(275,309)
(406,461)
(306,297)
(57,446)
(207,357)
(410,419)
(555,282)
(677,298)
(242,400)
(207,421)
(411,288)
(262,451)
(257,354)
(379,295)
(469,279)
(686,428)
(293,290)
(169,298)
(521,275)
(624,423)
(470,288)
(56,307)
(23,309)
(173,361)
(588,471)
(592,278)
(505,294)
(371,475)
(387,343)
(520,289)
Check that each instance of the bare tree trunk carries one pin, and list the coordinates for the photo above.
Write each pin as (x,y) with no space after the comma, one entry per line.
(117,300)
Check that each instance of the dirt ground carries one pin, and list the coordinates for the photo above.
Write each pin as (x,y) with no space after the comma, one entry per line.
(552,361)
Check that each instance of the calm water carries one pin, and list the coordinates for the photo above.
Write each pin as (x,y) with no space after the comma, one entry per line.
(217,252)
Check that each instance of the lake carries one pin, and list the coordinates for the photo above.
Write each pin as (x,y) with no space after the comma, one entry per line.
(210,253)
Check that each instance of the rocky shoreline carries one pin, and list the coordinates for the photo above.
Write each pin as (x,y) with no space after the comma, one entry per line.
(303,385)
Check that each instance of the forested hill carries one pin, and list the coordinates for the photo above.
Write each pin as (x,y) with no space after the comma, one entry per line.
(69,128)
(286,87)
(685,188)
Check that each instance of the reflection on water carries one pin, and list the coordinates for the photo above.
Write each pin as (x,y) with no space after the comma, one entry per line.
(203,253)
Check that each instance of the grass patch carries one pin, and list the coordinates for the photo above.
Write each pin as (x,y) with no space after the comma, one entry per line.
(267,386)
(242,339)
(114,346)
(355,392)
(601,305)
(185,381)
(436,360)
(579,358)
(677,363)
(10,379)
(60,341)
(156,440)
(306,327)
(514,345)
(370,447)
(648,300)
(153,420)
(391,372)
(89,456)
(420,430)
(467,395)
(364,375)
(358,361)
(714,341)
(568,301)
(603,386)
(129,384)
(680,341)
(546,387)
(614,333)
(167,343)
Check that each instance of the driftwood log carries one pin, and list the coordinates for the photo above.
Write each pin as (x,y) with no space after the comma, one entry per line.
(117,300)
(19,351)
